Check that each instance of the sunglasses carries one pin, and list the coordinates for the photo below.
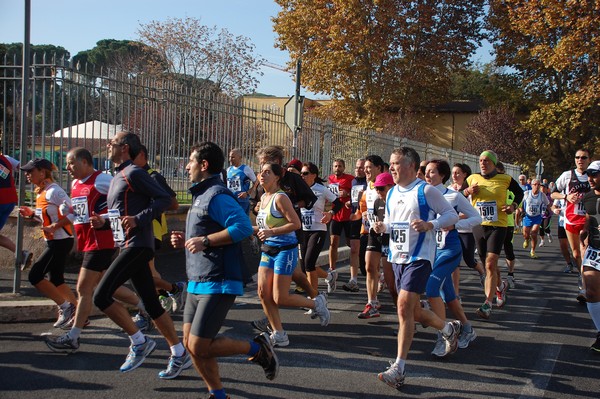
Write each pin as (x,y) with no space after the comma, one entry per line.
(582,157)
(305,173)
(379,188)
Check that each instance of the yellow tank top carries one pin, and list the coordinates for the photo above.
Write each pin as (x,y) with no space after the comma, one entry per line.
(491,198)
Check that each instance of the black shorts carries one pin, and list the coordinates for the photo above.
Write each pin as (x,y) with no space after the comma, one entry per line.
(562,233)
(98,260)
(157,244)
(206,313)
(337,228)
(377,242)
(489,239)
(355,228)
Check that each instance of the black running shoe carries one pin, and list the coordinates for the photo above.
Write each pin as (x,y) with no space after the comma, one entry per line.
(266,356)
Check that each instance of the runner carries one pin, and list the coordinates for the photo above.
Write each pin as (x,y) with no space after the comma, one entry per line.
(489,191)
(571,186)
(410,218)
(214,263)
(559,209)
(509,250)
(440,289)
(535,203)
(545,227)
(314,224)
(357,257)
(58,234)
(134,199)
(590,236)
(240,179)
(276,225)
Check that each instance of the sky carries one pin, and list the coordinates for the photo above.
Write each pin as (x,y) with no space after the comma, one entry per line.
(77,25)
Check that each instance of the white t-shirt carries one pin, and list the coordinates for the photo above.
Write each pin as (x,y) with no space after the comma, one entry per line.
(311,218)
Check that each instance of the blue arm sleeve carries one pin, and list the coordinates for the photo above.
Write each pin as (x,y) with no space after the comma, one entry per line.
(226,211)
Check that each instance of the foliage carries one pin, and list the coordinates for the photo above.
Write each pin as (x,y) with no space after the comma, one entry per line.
(192,49)
(376,57)
(554,47)
(41,52)
(125,55)
(497,129)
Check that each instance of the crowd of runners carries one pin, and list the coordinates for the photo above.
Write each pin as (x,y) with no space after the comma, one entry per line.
(408,223)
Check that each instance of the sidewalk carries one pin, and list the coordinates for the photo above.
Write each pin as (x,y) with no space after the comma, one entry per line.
(29,305)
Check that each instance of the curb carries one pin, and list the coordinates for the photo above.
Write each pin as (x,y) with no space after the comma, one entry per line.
(17,311)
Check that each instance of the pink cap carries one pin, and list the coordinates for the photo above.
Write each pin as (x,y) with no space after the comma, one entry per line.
(384,179)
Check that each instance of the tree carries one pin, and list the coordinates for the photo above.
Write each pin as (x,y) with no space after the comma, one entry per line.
(498,129)
(125,55)
(554,46)
(203,53)
(376,57)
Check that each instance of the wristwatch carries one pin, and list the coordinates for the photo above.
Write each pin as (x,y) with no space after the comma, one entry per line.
(206,242)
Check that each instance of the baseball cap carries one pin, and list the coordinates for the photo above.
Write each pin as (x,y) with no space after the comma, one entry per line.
(594,168)
(296,164)
(39,163)
(384,179)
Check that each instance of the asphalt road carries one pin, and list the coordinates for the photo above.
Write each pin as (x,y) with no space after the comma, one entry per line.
(537,346)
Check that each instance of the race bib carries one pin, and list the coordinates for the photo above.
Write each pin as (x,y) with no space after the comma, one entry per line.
(261,221)
(234,184)
(533,210)
(308,218)
(370,219)
(580,209)
(335,188)
(114,217)
(355,193)
(3,172)
(400,237)
(591,258)
(440,238)
(80,209)
(38,212)
(488,210)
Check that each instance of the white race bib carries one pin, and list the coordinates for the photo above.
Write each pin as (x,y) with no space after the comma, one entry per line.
(308,218)
(261,221)
(488,210)
(400,237)
(80,209)
(335,188)
(234,184)
(114,217)
(440,238)
(355,193)
(38,212)
(591,258)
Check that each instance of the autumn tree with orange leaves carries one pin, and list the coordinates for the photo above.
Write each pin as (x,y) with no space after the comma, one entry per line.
(379,57)
(554,46)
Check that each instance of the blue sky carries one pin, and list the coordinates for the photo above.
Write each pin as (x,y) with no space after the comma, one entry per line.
(78,24)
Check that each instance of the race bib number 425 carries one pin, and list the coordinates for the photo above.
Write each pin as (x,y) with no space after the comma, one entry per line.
(400,237)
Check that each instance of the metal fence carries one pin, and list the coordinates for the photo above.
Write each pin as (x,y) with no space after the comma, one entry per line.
(72,106)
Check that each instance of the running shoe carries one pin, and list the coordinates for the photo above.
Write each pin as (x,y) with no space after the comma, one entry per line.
(351,286)
(501,294)
(137,354)
(279,339)
(370,311)
(266,356)
(484,311)
(533,255)
(569,268)
(526,244)
(63,344)
(176,365)
(26,260)
(392,376)
(143,322)
(511,281)
(321,310)
(549,238)
(596,345)
(179,297)
(166,301)
(331,281)
(65,316)
(451,341)
(439,349)
(541,243)
(262,325)
(466,337)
